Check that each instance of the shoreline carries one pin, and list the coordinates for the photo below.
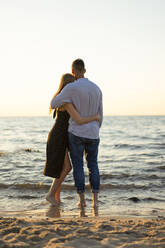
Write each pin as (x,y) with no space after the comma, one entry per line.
(35,230)
(62,211)
(54,213)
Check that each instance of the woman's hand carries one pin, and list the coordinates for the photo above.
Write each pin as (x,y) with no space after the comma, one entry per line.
(98,118)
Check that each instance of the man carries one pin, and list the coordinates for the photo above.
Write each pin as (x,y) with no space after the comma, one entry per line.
(87,99)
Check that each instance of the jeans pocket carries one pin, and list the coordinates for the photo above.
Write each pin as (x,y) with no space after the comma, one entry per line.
(75,139)
(94,141)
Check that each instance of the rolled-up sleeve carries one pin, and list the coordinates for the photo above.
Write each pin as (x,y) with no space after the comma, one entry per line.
(63,97)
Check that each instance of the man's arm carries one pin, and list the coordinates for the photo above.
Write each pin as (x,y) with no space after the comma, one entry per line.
(100,112)
(63,97)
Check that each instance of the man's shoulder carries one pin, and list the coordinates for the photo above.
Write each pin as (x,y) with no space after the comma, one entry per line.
(81,83)
(90,82)
(95,85)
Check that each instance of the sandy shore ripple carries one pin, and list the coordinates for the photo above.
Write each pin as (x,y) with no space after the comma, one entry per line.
(82,232)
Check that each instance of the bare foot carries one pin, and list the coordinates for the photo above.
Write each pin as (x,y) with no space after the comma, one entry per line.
(95,210)
(95,200)
(95,204)
(57,199)
(82,203)
(82,212)
(57,195)
(52,200)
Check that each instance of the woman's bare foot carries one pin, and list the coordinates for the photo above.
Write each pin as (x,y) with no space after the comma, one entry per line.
(52,200)
(57,194)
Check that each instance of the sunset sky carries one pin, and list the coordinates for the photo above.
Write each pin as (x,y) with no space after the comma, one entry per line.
(122,43)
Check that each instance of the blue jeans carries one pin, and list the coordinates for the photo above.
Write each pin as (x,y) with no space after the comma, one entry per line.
(77,146)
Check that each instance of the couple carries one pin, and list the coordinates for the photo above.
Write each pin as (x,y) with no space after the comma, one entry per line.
(78,106)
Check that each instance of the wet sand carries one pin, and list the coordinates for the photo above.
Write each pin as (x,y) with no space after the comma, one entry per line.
(36,230)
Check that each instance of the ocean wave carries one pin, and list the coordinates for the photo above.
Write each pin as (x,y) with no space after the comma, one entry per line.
(106,145)
(161,167)
(123,186)
(146,177)
(114,176)
(107,161)
(128,146)
(153,199)
(147,199)
(156,145)
(17,151)
(29,150)
(151,154)
(123,160)
(153,162)
(133,177)
(147,138)
(41,186)
(25,186)
(23,197)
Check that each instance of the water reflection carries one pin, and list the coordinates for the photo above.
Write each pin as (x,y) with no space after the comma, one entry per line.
(82,211)
(53,212)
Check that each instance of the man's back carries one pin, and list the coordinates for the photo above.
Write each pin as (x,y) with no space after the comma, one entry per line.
(87,98)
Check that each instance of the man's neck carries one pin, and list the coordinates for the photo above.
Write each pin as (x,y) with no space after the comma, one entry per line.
(79,76)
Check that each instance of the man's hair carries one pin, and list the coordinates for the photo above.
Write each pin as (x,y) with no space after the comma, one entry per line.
(78,65)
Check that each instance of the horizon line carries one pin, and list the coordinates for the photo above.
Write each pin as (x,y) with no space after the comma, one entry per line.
(106,115)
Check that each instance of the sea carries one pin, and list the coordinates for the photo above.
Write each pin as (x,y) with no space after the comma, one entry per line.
(131,161)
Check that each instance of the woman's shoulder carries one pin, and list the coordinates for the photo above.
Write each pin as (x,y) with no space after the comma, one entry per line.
(62,113)
(59,112)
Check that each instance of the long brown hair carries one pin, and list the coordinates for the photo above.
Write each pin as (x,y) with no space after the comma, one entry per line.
(65,79)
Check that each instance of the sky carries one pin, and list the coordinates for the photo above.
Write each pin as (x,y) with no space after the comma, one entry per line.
(122,43)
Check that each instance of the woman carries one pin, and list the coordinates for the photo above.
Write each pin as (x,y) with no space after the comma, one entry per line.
(58,164)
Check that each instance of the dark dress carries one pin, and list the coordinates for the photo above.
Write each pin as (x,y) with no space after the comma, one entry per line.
(56,145)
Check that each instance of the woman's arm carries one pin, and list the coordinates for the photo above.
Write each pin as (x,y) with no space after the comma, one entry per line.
(76,116)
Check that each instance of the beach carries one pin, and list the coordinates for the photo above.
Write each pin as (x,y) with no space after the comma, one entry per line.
(82,232)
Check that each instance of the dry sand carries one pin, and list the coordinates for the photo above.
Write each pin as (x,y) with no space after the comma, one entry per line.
(84,232)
